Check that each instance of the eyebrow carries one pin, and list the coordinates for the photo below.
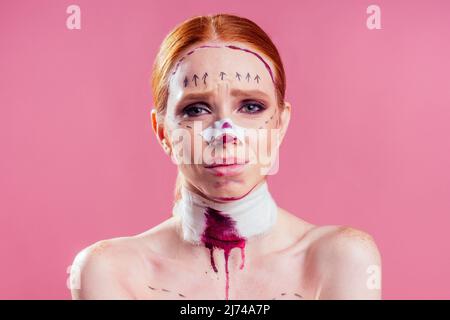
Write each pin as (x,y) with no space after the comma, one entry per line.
(234,93)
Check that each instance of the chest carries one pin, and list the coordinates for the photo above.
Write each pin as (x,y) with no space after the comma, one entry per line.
(267,278)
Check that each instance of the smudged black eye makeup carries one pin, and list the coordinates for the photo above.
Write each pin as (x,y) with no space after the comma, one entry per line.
(199,108)
(194,110)
(253,107)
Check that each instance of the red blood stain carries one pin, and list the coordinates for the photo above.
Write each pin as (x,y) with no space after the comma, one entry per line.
(228,138)
(220,232)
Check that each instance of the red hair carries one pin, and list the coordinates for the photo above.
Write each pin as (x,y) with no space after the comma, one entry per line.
(200,29)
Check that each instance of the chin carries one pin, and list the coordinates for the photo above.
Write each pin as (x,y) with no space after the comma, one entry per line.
(228,190)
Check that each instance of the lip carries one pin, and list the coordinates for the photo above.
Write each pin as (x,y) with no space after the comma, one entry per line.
(221,162)
(230,168)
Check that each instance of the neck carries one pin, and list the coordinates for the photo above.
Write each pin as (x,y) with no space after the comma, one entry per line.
(227,225)
(244,219)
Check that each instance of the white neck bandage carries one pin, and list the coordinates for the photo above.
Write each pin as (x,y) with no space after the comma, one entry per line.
(226,225)
(252,215)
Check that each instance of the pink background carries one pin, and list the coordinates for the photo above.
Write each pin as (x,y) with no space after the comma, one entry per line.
(368,145)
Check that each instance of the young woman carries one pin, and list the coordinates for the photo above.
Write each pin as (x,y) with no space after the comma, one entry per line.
(218,87)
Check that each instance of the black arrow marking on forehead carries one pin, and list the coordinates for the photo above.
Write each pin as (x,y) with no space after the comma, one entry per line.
(231,47)
(222,74)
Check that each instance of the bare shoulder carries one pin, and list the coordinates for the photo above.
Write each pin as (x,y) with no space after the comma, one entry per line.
(101,270)
(344,242)
(349,263)
(344,237)
(340,262)
(97,269)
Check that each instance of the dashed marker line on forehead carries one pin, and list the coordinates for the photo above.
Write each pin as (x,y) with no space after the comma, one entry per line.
(257,55)
(230,47)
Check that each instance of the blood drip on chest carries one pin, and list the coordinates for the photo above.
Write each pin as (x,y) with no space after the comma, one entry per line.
(220,232)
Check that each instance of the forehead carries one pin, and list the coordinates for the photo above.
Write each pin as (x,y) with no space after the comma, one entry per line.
(203,68)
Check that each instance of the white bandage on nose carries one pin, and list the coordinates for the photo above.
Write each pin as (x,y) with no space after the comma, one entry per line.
(222,127)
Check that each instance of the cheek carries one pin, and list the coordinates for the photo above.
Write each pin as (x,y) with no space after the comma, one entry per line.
(269,132)
(270,121)
(184,146)
(263,147)
(187,143)
(264,139)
